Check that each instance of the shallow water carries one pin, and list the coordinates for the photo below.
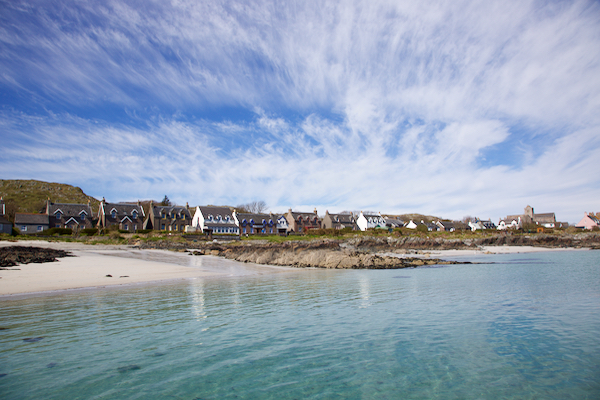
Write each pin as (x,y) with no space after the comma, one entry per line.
(527,326)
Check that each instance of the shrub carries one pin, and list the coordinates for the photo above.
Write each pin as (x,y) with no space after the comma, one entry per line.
(422,228)
(15,231)
(57,231)
(89,231)
(143,231)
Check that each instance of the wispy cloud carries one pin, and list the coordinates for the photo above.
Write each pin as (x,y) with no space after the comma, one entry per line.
(449,108)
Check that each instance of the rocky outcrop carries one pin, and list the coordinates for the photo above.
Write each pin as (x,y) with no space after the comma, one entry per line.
(13,255)
(315,254)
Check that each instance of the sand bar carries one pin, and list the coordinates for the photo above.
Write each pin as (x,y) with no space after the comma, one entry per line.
(91,265)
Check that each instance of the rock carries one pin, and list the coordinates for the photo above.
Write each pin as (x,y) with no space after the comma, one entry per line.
(13,255)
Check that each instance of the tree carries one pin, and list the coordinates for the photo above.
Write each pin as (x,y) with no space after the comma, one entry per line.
(254,207)
(165,201)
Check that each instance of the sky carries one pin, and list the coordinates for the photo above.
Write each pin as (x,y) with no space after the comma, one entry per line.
(446,108)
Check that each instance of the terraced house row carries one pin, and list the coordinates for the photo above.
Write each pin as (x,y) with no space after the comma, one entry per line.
(217,220)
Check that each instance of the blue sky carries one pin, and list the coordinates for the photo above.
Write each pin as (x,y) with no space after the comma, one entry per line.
(446,108)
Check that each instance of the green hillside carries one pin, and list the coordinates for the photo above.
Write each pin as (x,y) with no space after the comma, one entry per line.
(29,196)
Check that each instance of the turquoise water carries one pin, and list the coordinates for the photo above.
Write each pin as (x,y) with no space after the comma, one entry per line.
(525,327)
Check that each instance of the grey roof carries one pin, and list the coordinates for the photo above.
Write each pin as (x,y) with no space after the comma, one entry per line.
(343,218)
(258,218)
(69,210)
(3,220)
(214,211)
(33,219)
(304,215)
(169,210)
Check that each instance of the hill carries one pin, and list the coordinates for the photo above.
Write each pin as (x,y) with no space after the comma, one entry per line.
(29,196)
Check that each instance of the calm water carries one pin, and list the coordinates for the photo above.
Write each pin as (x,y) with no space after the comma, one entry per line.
(525,327)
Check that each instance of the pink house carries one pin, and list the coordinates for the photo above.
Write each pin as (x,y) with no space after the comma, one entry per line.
(588,222)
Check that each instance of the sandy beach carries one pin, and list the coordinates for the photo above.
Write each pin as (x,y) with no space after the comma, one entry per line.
(127,265)
(91,265)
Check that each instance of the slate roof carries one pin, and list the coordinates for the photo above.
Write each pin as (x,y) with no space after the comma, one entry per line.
(3,220)
(169,210)
(257,218)
(69,210)
(215,212)
(31,219)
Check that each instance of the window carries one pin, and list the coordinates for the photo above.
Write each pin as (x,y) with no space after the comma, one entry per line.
(135,227)
(113,214)
(57,225)
(58,215)
(40,228)
(82,216)
(126,227)
(134,214)
(162,227)
(23,228)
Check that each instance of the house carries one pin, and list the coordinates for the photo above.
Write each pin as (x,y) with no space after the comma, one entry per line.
(5,224)
(215,220)
(339,221)
(510,222)
(589,221)
(282,225)
(124,216)
(447,226)
(255,224)
(411,225)
(72,216)
(369,220)
(167,218)
(478,224)
(31,223)
(391,222)
(302,221)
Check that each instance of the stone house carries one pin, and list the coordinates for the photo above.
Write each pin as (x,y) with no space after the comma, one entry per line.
(302,221)
(339,221)
(215,220)
(31,223)
(5,224)
(124,216)
(256,224)
(167,218)
(72,216)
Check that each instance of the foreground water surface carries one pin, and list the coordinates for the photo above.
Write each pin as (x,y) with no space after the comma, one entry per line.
(526,326)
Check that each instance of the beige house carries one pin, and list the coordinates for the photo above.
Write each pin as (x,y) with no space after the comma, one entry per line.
(168,218)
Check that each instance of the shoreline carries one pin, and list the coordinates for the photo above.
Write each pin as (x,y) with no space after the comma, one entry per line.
(129,266)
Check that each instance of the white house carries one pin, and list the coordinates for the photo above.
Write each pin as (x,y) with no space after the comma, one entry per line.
(369,220)
(282,225)
(219,220)
(411,225)
(511,222)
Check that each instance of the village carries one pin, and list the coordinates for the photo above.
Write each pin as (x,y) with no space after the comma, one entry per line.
(223,221)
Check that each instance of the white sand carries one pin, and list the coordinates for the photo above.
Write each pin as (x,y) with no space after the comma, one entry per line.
(482,251)
(126,266)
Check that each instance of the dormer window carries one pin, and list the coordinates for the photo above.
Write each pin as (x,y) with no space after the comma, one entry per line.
(113,214)
(58,215)
(210,217)
(82,215)
(134,214)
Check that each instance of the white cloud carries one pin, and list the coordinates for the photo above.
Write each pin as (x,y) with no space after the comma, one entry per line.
(386,105)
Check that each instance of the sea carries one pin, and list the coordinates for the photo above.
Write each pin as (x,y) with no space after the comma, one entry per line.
(509,326)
